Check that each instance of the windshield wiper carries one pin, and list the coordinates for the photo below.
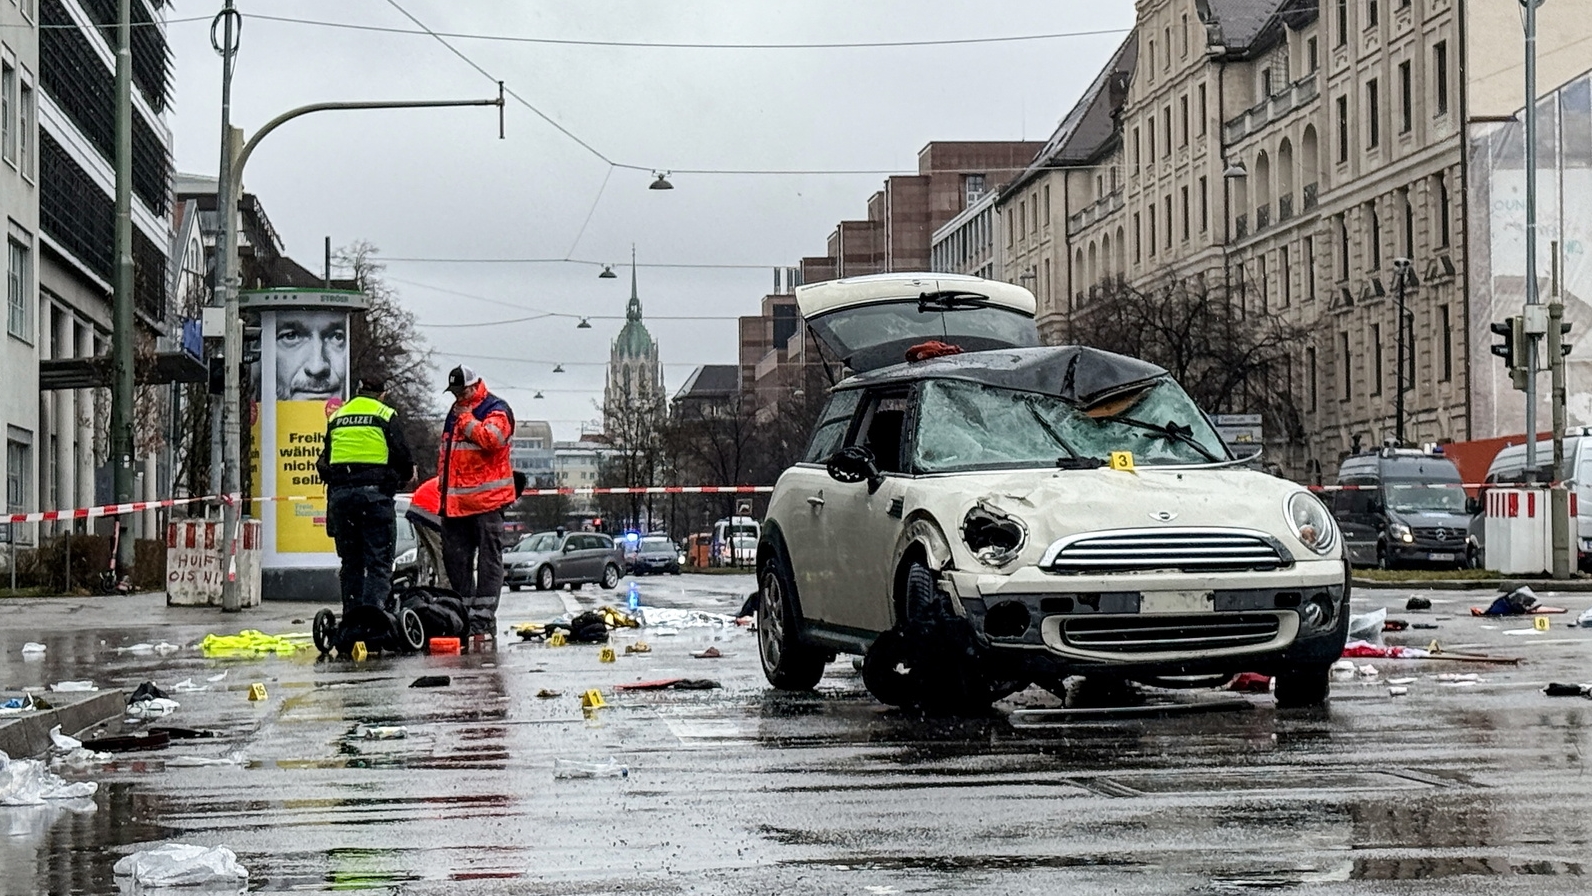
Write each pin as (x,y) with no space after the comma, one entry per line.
(951,300)
(1073,460)
(1172,431)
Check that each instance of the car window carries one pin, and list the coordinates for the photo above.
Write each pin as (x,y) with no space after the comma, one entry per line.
(1355,497)
(969,426)
(832,425)
(540,543)
(602,541)
(883,428)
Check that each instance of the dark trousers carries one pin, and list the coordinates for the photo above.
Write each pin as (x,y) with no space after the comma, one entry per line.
(363,526)
(472,553)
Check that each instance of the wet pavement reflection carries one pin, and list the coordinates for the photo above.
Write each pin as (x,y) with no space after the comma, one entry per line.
(741,788)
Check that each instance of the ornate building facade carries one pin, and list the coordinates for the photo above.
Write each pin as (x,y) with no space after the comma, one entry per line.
(635,378)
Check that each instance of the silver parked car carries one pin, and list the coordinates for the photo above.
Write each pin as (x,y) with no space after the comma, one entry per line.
(547,560)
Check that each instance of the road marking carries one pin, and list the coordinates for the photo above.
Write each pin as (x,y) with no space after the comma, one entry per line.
(571,605)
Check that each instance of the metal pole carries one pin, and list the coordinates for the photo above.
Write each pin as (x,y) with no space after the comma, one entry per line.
(232,338)
(1559,497)
(1531,233)
(328,268)
(122,287)
(1400,269)
(233,159)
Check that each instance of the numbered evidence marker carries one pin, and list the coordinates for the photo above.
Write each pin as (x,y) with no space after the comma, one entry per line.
(606,655)
(1122,460)
(1540,623)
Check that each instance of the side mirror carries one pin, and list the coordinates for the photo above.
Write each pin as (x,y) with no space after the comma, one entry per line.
(855,464)
(1375,505)
(1473,506)
(569,546)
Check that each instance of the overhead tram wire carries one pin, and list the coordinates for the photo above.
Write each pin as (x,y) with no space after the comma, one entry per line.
(570,315)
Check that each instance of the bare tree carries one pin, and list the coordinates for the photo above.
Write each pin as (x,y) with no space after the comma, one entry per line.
(635,433)
(1229,361)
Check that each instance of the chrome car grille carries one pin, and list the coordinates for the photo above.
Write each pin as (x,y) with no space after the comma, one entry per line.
(1443,534)
(1187,550)
(1151,634)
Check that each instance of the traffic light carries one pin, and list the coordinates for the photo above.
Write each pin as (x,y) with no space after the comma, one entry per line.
(1564,347)
(1513,349)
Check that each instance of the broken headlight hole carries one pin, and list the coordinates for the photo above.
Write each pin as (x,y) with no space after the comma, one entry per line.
(1007,619)
(1318,611)
(996,537)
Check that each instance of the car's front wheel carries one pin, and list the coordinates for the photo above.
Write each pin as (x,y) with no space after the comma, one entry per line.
(1303,686)
(545,581)
(514,586)
(788,664)
(610,577)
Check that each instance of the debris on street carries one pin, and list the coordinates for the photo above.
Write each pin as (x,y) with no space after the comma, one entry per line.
(674,618)
(1418,603)
(27,782)
(381,732)
(253,643)
(73,686)
(677,684)
(1557,689)
(33,648)
(182,865)
(1520,602)
(431,681)
(569,768)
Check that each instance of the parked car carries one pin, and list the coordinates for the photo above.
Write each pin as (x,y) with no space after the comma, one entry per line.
(654,553)
(1402,507)
(406,551)
(973,522)
(548,560)
(735,541)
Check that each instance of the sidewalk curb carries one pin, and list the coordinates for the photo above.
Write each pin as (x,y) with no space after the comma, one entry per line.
(28,736)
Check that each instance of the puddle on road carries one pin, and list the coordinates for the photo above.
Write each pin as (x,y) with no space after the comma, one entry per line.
(967,863)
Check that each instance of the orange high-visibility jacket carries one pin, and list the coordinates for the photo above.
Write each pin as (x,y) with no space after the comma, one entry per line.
(473,470)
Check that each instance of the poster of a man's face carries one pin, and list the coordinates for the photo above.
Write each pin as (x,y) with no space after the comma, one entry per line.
(311,354)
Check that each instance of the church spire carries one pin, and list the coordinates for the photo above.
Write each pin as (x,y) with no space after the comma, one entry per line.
(633,310)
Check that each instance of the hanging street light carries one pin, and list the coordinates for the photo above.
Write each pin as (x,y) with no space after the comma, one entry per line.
(608,273)
(558,368)
(583,325)
(662,183)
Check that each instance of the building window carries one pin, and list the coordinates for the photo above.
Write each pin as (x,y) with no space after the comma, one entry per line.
(1373,108)
(1312,56)
(1022,220)
(1406,112)
(1376,240)
(1138,241)
(1376,359)
(1343,22)
(1265,83)
(1310,269)
(1445,332)
(1149,138)
(1185,214)
(1166,40)
(1009,230)
(1440,75)
(1151,67)
(1183,109)
(1204,110)
(1184,42)
(1205,207)
(1346,375)
(8,111)
(1263,287)
(1166,121)
(18,462)
(1285,276)
(1370,13)
(1169,222)
(27,126)
(1151,232)
(1343,254)
(1046,206)
(1442,212)
(1409,227)
(1343,129)
(1310,376)
(18,303)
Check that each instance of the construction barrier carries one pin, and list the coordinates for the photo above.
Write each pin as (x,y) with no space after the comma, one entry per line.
(196,571)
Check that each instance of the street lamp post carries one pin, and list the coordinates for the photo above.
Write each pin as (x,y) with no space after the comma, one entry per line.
(230,185)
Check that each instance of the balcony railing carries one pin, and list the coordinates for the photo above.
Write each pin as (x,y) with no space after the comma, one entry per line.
(1272,108)
(1095,211)
(1312,196)
(1262,218)
(1285,208)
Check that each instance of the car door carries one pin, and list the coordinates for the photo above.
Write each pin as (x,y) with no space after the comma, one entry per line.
(603,553)
(861,529)
(798,506)
(566,563)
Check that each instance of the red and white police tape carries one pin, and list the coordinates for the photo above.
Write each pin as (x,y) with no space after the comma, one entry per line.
(79,513)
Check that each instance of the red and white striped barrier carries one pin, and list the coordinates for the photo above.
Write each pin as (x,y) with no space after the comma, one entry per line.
(46,516)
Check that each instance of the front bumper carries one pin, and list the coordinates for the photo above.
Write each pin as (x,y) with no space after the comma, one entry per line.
(518,575)
(1158,624)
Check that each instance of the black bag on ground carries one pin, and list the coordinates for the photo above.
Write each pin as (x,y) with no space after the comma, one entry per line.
(441,611)
(588,628)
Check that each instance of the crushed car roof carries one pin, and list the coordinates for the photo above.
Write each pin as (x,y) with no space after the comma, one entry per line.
(1074,373)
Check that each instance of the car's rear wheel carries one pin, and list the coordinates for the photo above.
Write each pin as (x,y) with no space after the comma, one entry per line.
(545,580)
(610,577)
(788,664)
(1303,686)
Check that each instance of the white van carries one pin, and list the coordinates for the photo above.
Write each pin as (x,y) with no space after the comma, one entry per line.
(1576,472)
(735,541)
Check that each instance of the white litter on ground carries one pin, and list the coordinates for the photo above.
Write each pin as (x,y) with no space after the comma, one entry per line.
(33,647)
(27,782)
(182,865)
(220,676)
(153,708)
(236,758)
(62,687)
(669,616)
(64,742)
(186,686)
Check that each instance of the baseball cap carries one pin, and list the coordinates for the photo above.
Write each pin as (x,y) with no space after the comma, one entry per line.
(461,376)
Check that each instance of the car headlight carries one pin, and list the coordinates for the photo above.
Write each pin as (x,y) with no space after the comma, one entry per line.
(406,557)
(995,536)
(1311,523)
(1401,532)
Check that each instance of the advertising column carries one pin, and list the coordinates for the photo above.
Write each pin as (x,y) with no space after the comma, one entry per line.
(304,379)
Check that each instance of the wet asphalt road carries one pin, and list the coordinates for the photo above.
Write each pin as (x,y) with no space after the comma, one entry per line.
(1449,790)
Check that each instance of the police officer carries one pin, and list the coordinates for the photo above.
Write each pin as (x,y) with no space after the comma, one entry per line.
(363,462)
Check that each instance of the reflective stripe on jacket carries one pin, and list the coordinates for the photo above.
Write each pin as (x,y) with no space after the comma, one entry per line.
(357,434)
(474,473)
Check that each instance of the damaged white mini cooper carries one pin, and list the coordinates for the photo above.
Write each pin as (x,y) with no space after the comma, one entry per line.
(994,513)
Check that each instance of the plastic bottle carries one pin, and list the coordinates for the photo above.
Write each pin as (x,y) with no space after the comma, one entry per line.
(635,597)
(570,768)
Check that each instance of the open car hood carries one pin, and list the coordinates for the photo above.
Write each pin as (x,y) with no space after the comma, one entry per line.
(869,322)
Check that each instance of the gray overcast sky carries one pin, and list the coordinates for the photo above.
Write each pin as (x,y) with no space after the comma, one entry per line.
(438,183)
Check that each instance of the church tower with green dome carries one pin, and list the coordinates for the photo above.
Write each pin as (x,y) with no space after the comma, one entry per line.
(635,378)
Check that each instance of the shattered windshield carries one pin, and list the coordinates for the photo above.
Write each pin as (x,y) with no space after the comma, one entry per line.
(967,426)
(875,336)
(1424,497)
(540,543)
